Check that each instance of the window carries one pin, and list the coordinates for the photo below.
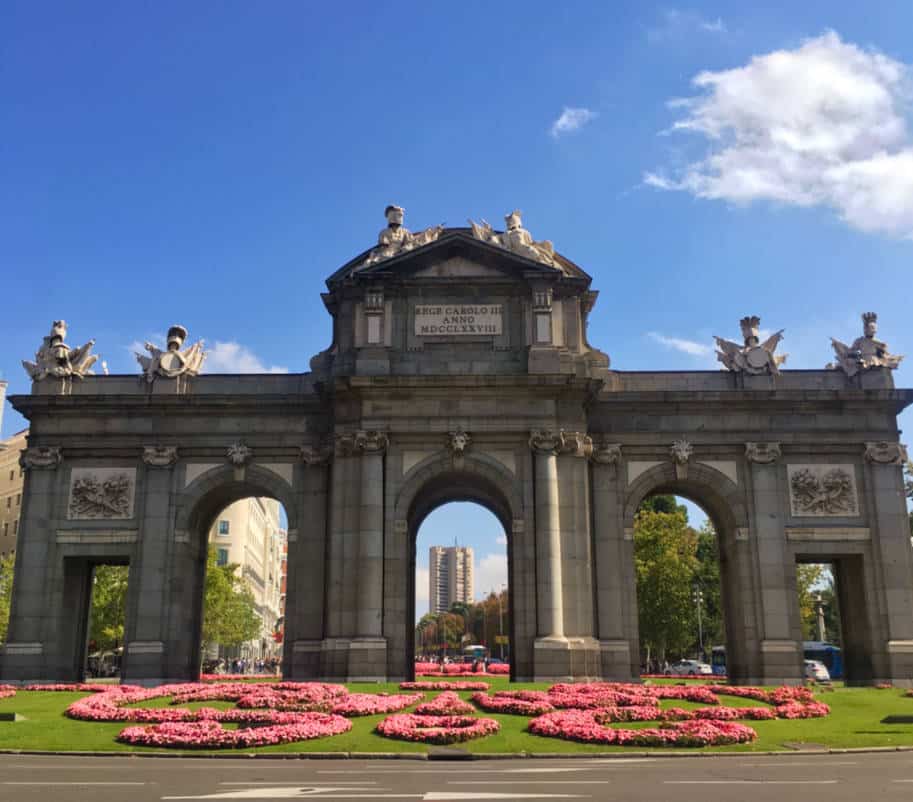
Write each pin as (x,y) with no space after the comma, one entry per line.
(222,557)
(223,527)
(6,529)
(12,474)
(9,502)
(15,527)
(18,499)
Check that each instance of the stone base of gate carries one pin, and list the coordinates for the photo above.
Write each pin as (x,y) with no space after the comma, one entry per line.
(566,659)
(25,662)
(616,661)
(782,663)
(354,659)
(303,660)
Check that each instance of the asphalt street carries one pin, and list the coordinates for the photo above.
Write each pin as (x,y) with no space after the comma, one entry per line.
(835,778)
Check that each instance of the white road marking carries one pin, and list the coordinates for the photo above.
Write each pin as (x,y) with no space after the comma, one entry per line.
(530,782)
(77,782)
(825,764)
(750,782)
(298,792)
(403,770)
(443,796)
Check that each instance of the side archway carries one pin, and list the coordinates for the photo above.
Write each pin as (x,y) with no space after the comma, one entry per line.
(724,504)
(440,480)
(196,510)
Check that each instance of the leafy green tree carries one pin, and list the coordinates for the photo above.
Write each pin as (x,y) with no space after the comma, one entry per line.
(229,611)
(809,579)
(707,580)
(665,556)
(665,504)
(6,592)
(109,598)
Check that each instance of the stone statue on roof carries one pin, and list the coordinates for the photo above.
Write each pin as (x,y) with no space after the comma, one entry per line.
(754,357)
(55,359)
(866,352)
(515,239)
(172,362)
(396,238)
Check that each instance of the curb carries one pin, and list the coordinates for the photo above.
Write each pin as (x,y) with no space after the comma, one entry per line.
(424,756)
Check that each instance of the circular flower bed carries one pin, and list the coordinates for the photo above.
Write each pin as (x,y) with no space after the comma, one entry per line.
(436,729)
(520,703)
(210,733)
(445,704)
(587,726)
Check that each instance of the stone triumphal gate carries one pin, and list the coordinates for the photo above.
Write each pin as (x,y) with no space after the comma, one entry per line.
(460,370)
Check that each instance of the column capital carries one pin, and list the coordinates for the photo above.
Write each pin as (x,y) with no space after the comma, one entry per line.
(576,444)
(160,456)
(315,455)
(763,453)
(545,442)
(48,457)
(359,443)
(885,453)
(606,453)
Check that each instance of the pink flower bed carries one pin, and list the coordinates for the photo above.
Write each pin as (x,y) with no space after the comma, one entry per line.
(456,685)
(7,690)
(520,703)
(209,733)
(449,669)
(585,726)
(436,729)
(69,687)
(234,677)
(499,668)
(445,704)
(371,704)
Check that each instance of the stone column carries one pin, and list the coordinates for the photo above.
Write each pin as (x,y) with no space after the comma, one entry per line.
(616,595)
(780,645)
(305,597)
(24,656)
(144,636)
(545,447)
(892,634)
(373,446)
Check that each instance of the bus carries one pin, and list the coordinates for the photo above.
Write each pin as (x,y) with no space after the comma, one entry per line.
(826,653)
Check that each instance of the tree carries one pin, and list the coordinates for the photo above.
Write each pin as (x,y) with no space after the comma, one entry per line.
(809,578)
(665,504)
(229,611)
(109,598)
(707,580)
(6,592)
(665,556)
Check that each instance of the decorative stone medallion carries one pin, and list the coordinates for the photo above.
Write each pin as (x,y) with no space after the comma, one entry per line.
(160,456)
(101,493)
(41,457)
(884,453)
(762,453)
(606,453)
(315,455)
(822,490)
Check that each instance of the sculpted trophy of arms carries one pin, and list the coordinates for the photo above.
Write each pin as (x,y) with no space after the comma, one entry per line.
(515,239)
(56,359)
(754,357)
(172,362)
(866,352)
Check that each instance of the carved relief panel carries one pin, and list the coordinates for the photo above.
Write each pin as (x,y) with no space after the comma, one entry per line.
(821,491)
(101,493)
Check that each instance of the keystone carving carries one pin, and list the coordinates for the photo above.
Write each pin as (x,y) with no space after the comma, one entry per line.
(458,442)
(754,357)
(55,359)
(606,453)
(160,456)
(681,451)
(239,454)
(544,442)
(172,362)
(884,453)
(763,453)
(41,457)
(315,455)
(866,352)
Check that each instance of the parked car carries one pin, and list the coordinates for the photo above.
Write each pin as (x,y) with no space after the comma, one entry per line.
(816,670)
(689,667)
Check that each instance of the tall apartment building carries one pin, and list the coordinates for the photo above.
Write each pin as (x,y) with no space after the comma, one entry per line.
(11,480)
(247,533)
(449,577)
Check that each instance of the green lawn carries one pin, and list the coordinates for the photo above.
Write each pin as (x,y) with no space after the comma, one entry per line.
(860,717)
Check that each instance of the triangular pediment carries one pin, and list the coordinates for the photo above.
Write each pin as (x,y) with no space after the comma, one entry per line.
(456,254)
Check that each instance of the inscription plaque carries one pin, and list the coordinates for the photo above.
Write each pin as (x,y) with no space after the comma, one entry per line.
(447,320)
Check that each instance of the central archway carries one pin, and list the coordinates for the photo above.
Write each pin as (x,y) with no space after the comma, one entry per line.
(432,483)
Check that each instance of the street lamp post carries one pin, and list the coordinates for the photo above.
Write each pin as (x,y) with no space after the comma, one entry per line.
(698,596)
(819,616)
(501,620)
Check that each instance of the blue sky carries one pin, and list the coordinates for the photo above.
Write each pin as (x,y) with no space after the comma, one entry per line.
(212,163)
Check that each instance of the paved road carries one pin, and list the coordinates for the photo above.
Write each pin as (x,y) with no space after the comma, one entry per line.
(809,778)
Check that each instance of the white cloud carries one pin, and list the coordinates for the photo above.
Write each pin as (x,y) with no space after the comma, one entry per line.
(490,574)
(679,344)
(677,24)
(571,120)
(823,124)
(232,357)
(501,539)
(421,591)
